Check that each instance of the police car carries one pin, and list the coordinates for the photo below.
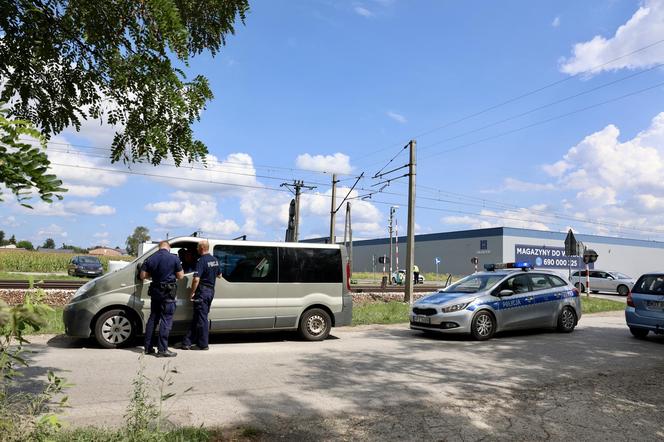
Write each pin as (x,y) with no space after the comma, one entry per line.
(504,297)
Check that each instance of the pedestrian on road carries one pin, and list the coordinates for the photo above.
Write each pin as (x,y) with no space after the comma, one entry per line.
(202,292)
(163,268)
(416,273)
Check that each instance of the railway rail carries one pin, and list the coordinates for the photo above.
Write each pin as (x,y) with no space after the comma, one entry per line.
(73,285)
(61,284)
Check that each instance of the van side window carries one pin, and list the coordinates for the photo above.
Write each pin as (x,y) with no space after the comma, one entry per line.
(309,265)
(247,263)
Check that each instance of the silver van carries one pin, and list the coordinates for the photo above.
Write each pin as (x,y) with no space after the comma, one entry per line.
(264,286)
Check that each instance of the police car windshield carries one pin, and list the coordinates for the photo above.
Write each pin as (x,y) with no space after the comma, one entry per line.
(475,283)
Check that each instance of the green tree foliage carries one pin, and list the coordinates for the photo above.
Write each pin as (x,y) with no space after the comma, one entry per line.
(24,244)
(25,415)
(140,235)
(2,238)
(24,166)
(49,244)
(122,61)
(12,240)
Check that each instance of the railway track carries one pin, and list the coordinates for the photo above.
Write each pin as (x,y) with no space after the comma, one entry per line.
(393,288)
(55,284)
(73,285)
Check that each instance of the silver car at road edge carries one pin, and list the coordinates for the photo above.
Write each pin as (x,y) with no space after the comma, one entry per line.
(506,297)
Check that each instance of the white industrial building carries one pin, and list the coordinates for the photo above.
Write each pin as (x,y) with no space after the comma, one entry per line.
(454,251)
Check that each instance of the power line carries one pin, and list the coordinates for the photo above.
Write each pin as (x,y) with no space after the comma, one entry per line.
(544,106)
(516,98)
(222,163)
(539,123)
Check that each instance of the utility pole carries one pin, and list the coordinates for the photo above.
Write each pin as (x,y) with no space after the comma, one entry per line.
(333,206)
(298,185)
(348,236)
(410,241)
(390,228)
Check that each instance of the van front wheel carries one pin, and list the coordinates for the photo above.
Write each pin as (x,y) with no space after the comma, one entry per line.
(114,329)
(315,325)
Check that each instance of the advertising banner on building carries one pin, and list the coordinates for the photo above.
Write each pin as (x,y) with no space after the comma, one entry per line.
(547,257)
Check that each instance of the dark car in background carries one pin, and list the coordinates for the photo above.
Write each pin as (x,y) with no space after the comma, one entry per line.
(89,266)
(645,306)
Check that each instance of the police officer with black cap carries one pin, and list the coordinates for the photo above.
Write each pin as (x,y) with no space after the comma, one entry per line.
(202,292)
(163,268)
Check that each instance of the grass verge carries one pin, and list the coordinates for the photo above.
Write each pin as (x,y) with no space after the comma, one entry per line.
(397,312)
(54,324)
(182,434)
(598,305)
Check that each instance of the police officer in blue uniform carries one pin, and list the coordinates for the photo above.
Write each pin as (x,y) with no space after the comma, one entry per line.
(163,268)
(202,292)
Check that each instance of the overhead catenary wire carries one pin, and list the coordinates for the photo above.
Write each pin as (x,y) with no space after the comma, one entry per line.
(544,106)
(517,97)
(539,123)
(224,163)
(495,206)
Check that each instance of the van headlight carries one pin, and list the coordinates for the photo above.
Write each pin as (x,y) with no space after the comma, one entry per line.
(83,291)
(454,307)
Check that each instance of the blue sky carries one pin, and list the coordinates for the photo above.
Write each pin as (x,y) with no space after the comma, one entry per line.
(322,85)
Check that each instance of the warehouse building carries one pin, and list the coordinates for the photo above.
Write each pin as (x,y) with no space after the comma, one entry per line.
(544,249)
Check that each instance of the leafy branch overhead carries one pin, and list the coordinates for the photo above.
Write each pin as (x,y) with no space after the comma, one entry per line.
(24,166)
(122,61)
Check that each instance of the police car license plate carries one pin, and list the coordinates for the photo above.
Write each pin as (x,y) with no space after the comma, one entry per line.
(655,305)
(422,319)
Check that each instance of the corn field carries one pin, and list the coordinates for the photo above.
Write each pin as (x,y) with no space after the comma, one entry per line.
(45,262)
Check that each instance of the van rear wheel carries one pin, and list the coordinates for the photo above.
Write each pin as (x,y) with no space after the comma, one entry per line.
(315,325)
(114,329)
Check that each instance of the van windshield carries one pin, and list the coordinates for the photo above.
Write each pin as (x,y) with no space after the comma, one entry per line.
(474,283)
(88,260)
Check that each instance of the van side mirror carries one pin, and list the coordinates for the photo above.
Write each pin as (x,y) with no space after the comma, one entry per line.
(505,293)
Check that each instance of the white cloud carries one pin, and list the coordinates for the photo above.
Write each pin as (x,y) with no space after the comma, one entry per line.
(396,117)
(644,28)
(193,211)
(227,177)
(338,162)
(51,231)
(619,182)
(88,208)
(556,22)
(364,12)
(9,221)
(84,191)
(101,235)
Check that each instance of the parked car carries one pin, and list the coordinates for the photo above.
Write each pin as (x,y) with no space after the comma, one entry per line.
(604,281)
(506,297)
(645,306)
(89,266)
(400,276)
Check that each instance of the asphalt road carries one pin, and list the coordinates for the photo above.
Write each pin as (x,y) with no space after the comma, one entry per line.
(388,382)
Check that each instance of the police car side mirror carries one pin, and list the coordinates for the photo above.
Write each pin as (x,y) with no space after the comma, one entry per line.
(505,293)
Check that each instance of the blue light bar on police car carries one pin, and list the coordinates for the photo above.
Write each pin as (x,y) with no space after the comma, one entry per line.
(508,265)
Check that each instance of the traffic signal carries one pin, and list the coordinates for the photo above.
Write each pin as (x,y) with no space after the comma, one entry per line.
(589,256)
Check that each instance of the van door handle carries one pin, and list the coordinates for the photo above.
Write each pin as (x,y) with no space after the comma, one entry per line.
(529,298)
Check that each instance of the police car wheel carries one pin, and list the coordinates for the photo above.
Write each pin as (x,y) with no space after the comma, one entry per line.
(315,325)
(114,329)
(623,290)
(483,326)
(580,287)
(566,320)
